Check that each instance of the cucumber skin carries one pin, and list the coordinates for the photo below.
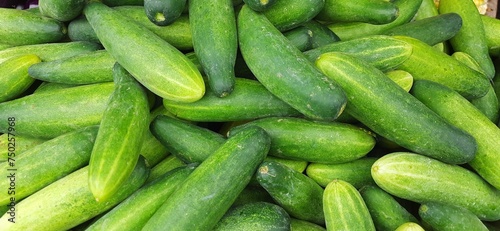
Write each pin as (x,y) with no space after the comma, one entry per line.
(428,180)
(50,114)
(293,79)
(301,225)
(155,63)
(61,10)
(382,112)
(286,15)
(231,166)
(15,77)
(255,216)
(374,12)
(356,172)
(449,217)
(23,143)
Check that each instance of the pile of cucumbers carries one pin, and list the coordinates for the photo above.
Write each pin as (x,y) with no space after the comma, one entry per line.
(249,115)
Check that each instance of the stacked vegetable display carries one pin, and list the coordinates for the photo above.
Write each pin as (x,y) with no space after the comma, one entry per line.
(249,115)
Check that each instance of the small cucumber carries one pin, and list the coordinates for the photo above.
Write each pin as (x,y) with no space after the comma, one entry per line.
(259,5)
(292,78)
(231,166)
(356,172)
(15,78)
(447,217)
(286,15)
(164,12)
(156,64)
(249,100)
(422,179)
(374,12)
(377,102)
(79,29)
(121,133)
(298,194)
(301,225)
(169,163)
(61,10)
(344,208)
(22,144)
(255,216)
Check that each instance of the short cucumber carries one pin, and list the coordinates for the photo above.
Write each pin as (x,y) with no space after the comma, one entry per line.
(301,225)
(61,10)
(286,15)
(344,208)
(121,133)
(377,102)
(292,78)
(255,216)
(15,78)
(231,166)
(259,5)
(164,12)
(356,172)
(422,179)
(374,12)
(449,217)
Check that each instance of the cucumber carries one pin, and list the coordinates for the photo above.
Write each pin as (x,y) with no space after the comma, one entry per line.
(156,64)
(215,42)
(356,172)
(74,202)
(88,68)
(427,9)
(121,133)
(20,27)
(488,105)
(457,111)
(430,64)
(164,12)
(467,60)
(169,163)
(45,163)
(321,35)
(300,37)
(231,166)
(152,149)
(410,226)
(15,77)
(79,29)
(298,194)
(422,179)
(300,225)
(297,165)
(314,141)
(491,28)
(286,15)
(380,109)
(61,10)
(386,212)
(255,216)
(147,199)
(292,78)
(259,5)
(344,208)
(249,100)
(449,217)
(401,78)
(123,2)
(22,144)
(374,12)
(50,114)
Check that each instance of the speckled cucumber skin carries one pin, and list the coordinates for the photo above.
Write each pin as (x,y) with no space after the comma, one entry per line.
(255,216)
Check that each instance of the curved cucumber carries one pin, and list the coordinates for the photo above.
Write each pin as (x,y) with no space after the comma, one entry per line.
(448,217)
(356,172)
(374,12)
(255,216)
(15,78)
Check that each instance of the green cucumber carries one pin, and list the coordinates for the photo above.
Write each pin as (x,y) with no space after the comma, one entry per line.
(123,2)
(88,68)
(15,77)
(250,194)
(410,226)
(402,78)
(356,172)
(297,165)
(491,29)
(458,111)
(259,5)
(386,212)
(427,9)
(249,100)
(45,163)
(79,29)
(301,225)
(61,10)
(231,166)
(314,141)
(21,144)
(255,216)
(488,105)
(286,15)
(20,27)
(152,149)
(449,217)
(291,78)
(215,42)
(320,33)
(344,208)
(298,194)
(50,114)
(374,12)
(164,12)
(169,163)
(121,134)
(422,179)
(146,199)
(155,63)
(300,37)
(377,102)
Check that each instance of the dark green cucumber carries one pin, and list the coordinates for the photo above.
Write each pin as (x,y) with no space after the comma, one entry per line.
(231,167)
(301,225)
(15,78)
(147,200)
(344,208)
(431,30)
(259,5)
(20,27)
(298,194)
(61,10)
(386,212)
(291,78)
(168,163)
(255,216)
(356,172)
(215,42)
(286,15)
(300,37)
(164,12)
(374,12)
(314,141)
(79,29)
(422,179)
(156,64)
(449,217)
(378,103)
(74,202)
(88,68)
(121,134)
(320,34)
(249,100)
(50,114)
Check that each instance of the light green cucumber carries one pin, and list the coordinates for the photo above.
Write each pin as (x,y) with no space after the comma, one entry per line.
(152,149)
(61,10)
(15,78)
(356,172)
(402,78)
(286,15)
(449,217)
(374,12)
(255,216)
(169,163)
(21,144)
(410,226)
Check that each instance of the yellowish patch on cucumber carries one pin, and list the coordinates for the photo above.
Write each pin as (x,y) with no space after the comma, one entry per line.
(264,2)
(160,17)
